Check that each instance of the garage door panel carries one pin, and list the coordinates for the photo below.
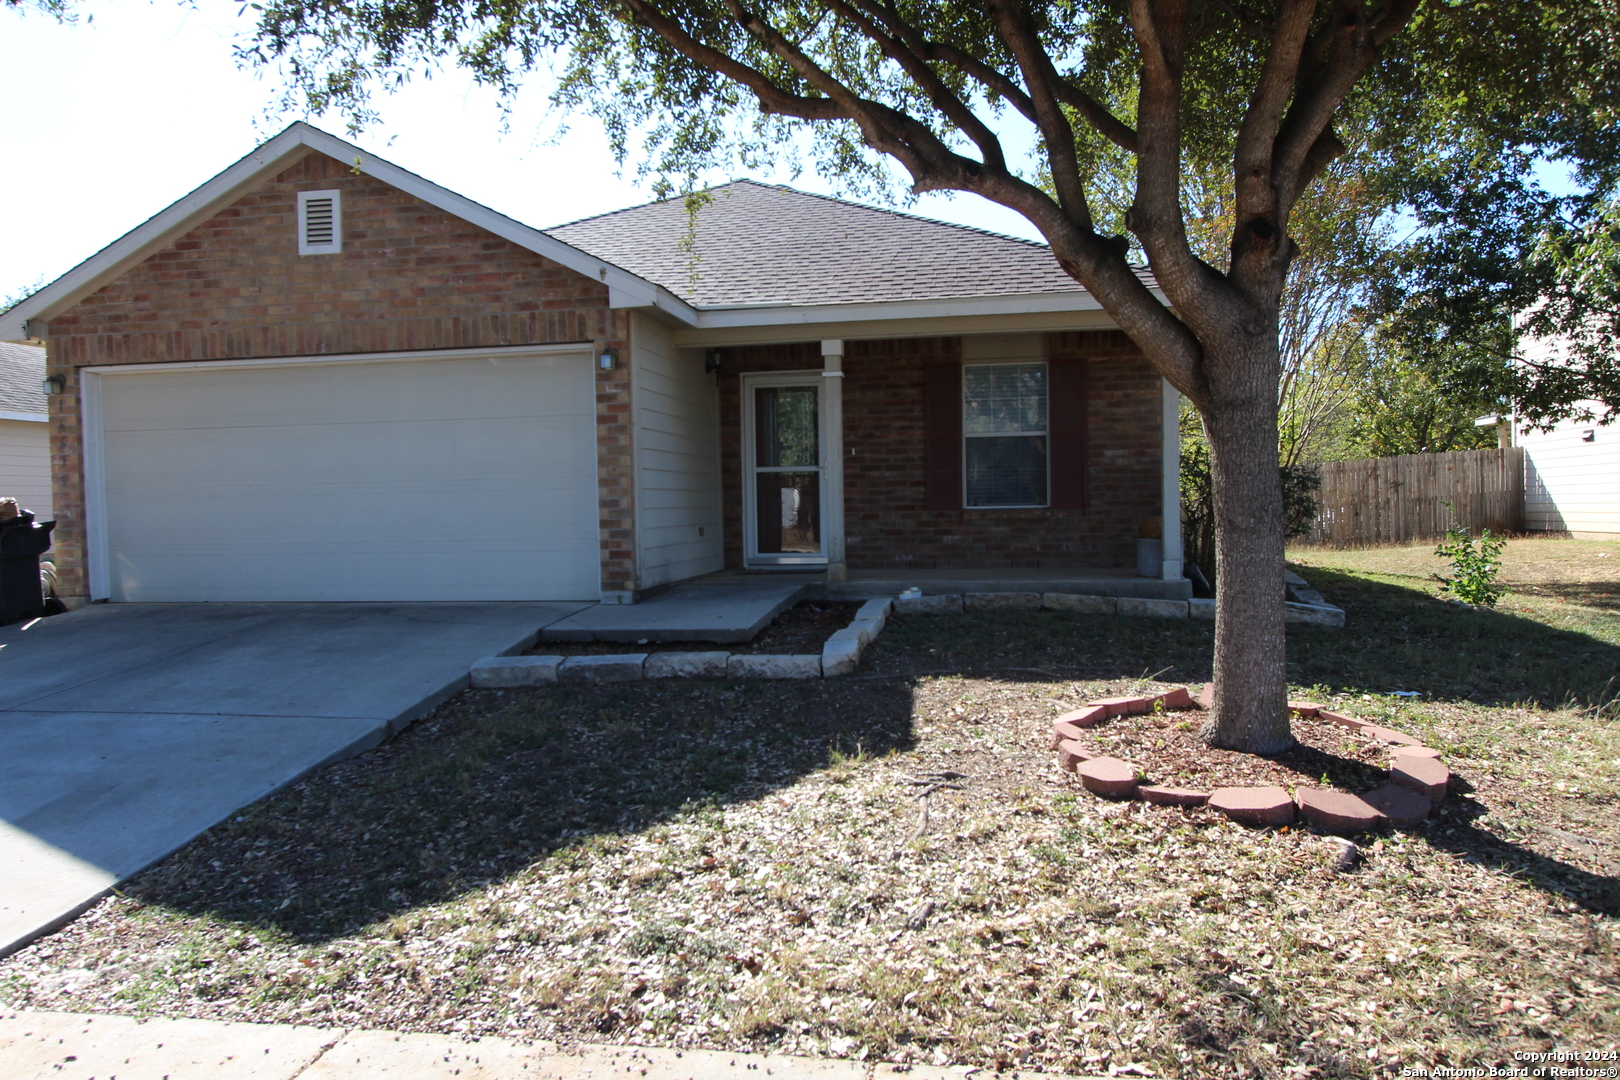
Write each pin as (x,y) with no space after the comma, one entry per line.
(347,393)
(459,479)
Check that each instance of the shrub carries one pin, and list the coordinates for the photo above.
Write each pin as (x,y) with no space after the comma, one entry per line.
(1473,569)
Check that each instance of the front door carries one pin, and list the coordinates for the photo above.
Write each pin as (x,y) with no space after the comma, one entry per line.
(783,489)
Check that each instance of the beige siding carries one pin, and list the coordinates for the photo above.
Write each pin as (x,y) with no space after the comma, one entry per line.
(677,420)
(1572,484)
(25,465)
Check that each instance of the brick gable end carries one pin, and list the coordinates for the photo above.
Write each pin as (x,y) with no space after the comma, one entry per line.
(410,277)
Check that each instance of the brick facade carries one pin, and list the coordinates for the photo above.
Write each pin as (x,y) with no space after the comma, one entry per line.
(410,277)
(886,525)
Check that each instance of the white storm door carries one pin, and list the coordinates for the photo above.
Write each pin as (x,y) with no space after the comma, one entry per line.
(784,494)
(470,477)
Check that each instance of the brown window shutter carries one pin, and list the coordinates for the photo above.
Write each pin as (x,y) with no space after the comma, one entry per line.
(1068,417)
(942,436)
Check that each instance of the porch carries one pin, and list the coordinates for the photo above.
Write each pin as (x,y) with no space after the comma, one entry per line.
(735,605)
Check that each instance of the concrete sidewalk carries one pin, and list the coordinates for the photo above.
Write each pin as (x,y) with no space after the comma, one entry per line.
(127,729)
(83,1046)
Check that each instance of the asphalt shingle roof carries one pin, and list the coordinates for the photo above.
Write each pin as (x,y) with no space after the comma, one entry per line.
(759,244)
(22,370)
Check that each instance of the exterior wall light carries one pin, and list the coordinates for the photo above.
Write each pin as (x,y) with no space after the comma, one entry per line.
(608,360)
(54,384)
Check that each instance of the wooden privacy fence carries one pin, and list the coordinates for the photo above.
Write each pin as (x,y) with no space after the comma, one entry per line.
(1395,499)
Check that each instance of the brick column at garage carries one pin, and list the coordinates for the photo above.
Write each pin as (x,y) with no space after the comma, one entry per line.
(615,465)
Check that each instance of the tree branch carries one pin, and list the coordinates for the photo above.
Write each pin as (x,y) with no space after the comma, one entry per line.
(885,129)
(772,98)
(1256,138)
(947,102)
(1094,261)
(1095,113)
(1192,285)
(1018,31)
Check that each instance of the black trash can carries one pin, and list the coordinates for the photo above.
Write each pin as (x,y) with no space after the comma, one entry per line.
(22,542)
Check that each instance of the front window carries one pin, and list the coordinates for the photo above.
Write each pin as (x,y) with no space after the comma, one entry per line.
(1004,432)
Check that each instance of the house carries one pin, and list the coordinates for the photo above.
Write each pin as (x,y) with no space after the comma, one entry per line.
(322,377)
(1572,478)
(25,445)
(1571,470)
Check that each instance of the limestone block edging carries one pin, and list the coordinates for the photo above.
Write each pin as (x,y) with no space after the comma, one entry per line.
(501,672)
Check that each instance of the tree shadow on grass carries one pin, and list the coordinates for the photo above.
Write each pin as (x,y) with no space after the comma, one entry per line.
(1403,638)
(1604,595)
(489,785)
(1395,638)
(1454,827)
(493,782)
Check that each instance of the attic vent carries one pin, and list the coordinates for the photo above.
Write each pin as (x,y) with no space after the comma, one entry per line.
(320,223)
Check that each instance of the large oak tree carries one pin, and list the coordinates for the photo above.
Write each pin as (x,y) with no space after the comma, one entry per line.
(932,86)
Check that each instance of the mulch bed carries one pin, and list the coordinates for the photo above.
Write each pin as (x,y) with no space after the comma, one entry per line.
(1167,750)
(800,630)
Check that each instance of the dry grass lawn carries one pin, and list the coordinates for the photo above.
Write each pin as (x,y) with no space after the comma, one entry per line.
(891,866)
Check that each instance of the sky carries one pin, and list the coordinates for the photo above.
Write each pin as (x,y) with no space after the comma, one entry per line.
(112,119)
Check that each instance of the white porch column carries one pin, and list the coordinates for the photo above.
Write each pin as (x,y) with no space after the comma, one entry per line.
(1170,492)
(832,453)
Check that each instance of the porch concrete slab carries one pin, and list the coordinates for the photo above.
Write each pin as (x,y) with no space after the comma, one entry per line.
(864,584)
(126,730)
(701,610)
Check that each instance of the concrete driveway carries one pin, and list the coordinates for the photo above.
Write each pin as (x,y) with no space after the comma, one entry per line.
(127,729)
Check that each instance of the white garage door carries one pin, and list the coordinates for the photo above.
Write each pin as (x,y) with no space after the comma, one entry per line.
(471,478)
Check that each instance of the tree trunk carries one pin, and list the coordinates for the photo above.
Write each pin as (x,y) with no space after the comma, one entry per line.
(1250,710)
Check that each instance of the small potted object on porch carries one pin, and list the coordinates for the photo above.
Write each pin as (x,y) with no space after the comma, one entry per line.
(1150,547)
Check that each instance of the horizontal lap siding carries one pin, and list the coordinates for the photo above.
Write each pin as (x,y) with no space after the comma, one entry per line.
(677,460)
(25,465)
(1572,484)
(410,277)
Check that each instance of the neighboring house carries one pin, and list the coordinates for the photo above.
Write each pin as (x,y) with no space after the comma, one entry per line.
(25,435)
(1572,478)
(321,377)
(1572,472)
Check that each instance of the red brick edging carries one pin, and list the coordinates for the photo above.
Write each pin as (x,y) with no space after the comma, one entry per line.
(1417,778)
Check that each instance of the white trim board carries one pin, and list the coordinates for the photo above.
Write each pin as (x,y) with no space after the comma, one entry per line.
(889,326)
(812,314)
(291,145)
(26,417)
(349,358)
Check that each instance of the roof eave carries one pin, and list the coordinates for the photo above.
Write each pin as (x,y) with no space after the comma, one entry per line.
(275,155)
(713,318)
